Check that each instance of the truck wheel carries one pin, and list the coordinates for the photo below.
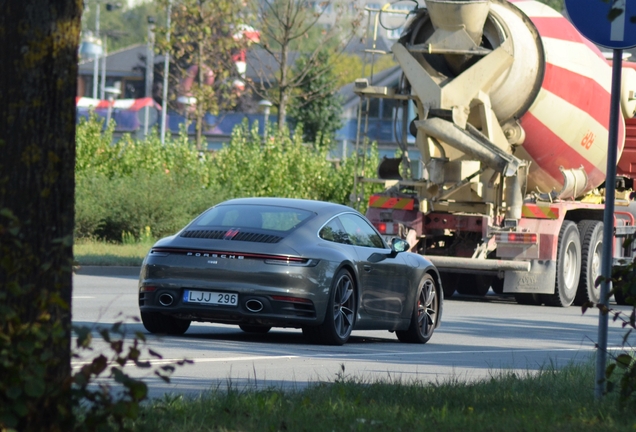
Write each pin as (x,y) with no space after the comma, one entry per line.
(620,298)
(497,284)
(475,285)
(592,247)
(449,283)
(425,313)
(567,268)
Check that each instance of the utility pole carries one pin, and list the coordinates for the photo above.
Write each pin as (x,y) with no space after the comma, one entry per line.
(96,59)
(102,94)
(166,72)
(150,62)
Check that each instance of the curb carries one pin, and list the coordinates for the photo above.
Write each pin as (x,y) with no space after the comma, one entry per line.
(107,270)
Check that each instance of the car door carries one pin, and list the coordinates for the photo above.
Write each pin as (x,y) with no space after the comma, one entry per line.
(383,280)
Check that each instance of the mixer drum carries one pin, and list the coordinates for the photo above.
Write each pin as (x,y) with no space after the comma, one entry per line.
(558,87)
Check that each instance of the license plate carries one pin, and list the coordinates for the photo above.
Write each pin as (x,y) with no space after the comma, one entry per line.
(210,297)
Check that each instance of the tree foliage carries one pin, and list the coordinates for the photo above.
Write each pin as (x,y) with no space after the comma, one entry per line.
(204,37)
(349,67)
(620,373)
(286,27)
(125,25)
(557,5)
(316,105)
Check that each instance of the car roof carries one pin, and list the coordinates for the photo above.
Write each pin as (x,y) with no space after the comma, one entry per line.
(310,205)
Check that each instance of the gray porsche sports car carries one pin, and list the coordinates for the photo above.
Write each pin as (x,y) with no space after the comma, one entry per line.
(272,262)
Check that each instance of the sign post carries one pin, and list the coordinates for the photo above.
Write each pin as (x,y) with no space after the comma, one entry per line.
(592,19)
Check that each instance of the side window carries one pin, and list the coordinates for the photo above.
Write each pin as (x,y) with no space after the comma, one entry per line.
(334,232)
(360,232)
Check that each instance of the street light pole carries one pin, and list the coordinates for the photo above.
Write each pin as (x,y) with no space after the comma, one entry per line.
(150,62)
(102,93)
(111,93)
(96,60)
(266,105)
(166,71)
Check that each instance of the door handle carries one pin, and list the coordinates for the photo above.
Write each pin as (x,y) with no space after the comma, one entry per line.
(367,268)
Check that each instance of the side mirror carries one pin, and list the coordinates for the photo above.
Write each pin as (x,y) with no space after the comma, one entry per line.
(399,245)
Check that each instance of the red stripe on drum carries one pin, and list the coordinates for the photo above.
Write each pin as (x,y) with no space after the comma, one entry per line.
(551,152)
(578,90)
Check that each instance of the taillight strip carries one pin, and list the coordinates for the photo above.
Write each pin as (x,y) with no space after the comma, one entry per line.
(229,255)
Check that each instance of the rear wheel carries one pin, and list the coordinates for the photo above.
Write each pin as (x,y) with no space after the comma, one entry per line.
(620,297)
(254,328)
(340,316)
(425,313)
(591,250)
(568,267)
(159,323)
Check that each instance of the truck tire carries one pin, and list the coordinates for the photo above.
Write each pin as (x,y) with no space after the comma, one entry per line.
(620,298)
(475,285)
(449,283)
(497,284)
(567,268)
(591,232)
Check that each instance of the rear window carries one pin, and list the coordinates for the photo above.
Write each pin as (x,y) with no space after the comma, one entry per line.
(245,216)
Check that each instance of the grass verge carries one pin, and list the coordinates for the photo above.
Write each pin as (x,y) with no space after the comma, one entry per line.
(551,400)
(92,252)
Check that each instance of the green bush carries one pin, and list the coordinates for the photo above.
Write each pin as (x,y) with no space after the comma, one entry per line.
(98,153)
(106,208)
(282,167)
(122,187)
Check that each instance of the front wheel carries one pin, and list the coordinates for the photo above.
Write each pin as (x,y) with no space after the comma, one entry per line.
(425,313)
(156,322)
(340,316)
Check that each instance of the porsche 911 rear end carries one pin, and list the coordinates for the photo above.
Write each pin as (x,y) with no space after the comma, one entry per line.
(234,265)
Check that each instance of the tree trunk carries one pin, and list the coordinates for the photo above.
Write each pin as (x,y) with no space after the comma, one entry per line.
(283,85)
(38,81)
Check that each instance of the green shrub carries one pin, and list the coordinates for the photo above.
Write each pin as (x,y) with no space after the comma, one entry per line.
(106,208)
(98,153)
(282,167)
(128,185)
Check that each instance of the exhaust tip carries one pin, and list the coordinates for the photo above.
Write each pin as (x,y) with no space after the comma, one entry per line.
(254,305)
(166,299)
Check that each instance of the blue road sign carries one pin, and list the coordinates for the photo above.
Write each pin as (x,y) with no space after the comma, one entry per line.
(590,17)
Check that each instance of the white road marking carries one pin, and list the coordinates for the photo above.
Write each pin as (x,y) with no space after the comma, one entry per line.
(355,356)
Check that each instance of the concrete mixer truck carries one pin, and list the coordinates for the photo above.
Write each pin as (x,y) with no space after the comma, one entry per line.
(509,115)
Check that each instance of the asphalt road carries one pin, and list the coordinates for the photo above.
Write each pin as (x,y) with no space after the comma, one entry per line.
(478,338)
